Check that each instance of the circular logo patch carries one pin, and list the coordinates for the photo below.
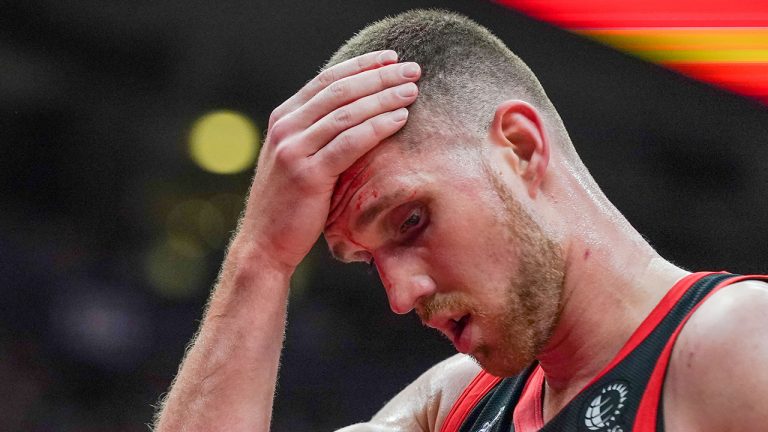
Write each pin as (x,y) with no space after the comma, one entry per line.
(604,410)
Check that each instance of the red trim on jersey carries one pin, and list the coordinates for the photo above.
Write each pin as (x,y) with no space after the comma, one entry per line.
(470,397)
(484,381)
(533,419)
(648,410)
(652,320)
(529,413)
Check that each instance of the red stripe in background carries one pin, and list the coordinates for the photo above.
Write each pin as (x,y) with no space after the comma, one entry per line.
(744,78)
(749,79)
(573,14)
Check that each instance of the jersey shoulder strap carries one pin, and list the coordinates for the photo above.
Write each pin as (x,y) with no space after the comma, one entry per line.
(468,400)
(650,413)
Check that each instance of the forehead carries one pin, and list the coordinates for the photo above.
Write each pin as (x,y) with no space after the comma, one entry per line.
(384,166)
(392,175)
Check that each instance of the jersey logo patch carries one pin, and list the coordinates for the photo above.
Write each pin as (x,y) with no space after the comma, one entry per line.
(488,425)
(603,413)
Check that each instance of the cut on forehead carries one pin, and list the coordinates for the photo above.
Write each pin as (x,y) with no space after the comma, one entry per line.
(423,136)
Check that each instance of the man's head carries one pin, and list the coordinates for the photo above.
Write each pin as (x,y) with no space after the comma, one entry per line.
(447,207)
(466,72)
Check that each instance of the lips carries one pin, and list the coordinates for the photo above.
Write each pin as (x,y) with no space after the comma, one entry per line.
(457,329)
(462,334)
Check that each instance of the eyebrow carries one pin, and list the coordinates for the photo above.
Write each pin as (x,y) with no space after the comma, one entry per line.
(368,215)
(339,250)
(372,212)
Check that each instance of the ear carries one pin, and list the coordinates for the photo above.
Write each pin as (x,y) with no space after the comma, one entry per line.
(518,130)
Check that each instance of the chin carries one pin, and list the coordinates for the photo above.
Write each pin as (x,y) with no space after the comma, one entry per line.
(501,365)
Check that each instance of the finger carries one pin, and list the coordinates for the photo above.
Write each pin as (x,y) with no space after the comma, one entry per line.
(349,89)
(334,73)
(355,113)
(353,143)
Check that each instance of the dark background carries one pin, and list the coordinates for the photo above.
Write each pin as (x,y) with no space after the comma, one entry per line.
(96,100)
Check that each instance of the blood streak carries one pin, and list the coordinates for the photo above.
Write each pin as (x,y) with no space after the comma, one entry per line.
(348,182)
(384,279)
(348,234)
(361,198)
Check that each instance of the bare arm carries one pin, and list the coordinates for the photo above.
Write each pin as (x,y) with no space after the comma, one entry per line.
(227,380)
(425,403)
(718,375)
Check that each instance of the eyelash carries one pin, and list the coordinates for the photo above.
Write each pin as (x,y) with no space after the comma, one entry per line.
(407,225)
(404,228)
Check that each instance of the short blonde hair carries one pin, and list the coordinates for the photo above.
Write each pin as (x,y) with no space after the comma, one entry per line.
(466,70)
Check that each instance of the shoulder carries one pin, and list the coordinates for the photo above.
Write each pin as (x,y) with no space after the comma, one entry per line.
(717,375)
(424,404)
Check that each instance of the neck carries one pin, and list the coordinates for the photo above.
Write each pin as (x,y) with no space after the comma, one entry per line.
(613,281)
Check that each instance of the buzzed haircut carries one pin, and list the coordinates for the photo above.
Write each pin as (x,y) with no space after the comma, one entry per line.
(466,70)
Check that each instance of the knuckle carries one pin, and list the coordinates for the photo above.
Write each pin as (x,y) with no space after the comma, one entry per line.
(338,88)
(342,117)
(284,155)
(274,117)
(326,77)
(279,129)
(345,142)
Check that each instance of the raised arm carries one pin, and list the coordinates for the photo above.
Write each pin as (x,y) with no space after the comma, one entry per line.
(226,381)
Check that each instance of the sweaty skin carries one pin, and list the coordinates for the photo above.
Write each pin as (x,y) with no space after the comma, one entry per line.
(490,248)
(609,266)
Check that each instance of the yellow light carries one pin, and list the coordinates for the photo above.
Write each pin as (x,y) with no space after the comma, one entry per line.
(224,142)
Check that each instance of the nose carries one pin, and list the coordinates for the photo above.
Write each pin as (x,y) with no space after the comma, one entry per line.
(404,283)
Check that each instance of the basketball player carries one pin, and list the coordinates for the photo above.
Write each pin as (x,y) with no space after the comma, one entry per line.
(479,215)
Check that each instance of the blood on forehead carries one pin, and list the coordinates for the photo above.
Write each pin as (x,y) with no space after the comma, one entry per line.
(349,181)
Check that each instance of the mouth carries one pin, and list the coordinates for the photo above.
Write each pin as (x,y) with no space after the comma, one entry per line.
(457,330)
(462,334)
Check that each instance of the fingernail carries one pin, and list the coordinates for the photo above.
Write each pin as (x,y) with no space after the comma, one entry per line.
(388,57)
(407,90)
(410,70)
(400,115)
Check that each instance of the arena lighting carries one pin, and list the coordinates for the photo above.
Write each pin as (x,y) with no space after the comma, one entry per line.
(224,142)
(176,268)
(722,42)
(200,220)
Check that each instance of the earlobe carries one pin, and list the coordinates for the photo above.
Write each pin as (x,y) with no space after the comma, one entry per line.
(518,129)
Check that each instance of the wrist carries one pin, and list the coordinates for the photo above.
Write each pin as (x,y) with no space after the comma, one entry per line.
(247,255)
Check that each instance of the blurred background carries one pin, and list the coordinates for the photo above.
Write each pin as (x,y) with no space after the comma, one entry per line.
(129,132)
